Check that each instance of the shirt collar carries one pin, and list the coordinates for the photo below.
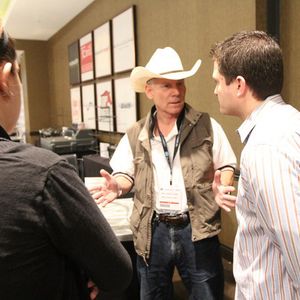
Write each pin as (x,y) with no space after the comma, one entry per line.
(174,130)
(248,125)
(4,134)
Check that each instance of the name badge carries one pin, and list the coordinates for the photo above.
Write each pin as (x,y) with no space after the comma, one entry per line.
(169,199)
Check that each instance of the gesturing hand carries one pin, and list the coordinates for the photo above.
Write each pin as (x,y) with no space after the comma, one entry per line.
(222,193)
(107,191)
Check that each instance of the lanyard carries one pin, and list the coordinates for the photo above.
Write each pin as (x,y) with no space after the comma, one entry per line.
(166,150)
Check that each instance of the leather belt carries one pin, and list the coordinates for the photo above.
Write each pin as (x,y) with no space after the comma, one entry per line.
(179,219)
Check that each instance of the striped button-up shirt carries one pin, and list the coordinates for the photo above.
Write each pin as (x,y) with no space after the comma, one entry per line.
(267,244)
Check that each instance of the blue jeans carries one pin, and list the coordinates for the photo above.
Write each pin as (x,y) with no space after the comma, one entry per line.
(199,264)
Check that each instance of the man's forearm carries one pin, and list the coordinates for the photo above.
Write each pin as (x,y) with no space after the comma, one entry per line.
(227,176)
(125,184)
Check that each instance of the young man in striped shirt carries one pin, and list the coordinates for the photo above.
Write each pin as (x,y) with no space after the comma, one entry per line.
(248,72)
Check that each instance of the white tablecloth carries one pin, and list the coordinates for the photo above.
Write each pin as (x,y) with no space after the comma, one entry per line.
(117,212)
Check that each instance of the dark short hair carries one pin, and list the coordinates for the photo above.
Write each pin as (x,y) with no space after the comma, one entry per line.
(7,48)
(253,55)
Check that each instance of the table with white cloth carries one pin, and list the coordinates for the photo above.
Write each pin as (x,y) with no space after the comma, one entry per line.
(117,212)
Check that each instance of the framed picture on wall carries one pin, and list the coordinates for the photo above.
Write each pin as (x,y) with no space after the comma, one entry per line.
(125,101)
(102,49)
(105,106)
(86,57)
(124,41)
(76,105)
(74,71)
(88,106)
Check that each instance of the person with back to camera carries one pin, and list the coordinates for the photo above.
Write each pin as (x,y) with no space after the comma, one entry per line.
(53,236)
(170,157)
(248,71)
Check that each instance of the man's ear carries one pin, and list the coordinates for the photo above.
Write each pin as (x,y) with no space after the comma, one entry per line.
(241,86)
(4,75)
(148,91)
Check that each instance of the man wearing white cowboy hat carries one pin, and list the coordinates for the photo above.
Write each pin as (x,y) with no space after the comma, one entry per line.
(170,157)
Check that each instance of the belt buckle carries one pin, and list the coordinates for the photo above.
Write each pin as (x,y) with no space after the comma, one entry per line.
(174,219)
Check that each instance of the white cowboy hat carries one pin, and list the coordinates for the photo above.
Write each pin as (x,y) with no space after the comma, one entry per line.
(164,63)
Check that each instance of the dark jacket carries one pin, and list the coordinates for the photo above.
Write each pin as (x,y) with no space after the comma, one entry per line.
(53,236)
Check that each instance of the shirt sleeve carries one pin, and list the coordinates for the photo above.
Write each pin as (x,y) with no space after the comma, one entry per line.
(78,229)
(275,191)
(122,159)
(223,154)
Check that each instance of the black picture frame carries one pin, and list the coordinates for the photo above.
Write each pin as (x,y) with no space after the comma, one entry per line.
(86,57)
(76,105)
(125,104)
(74,69)
(88,106)
(102,50)
(123,28)
(105,105)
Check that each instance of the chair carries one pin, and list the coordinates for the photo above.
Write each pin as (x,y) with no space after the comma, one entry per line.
(75,162)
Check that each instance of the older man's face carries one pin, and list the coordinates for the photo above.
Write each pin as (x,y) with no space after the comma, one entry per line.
(167,95)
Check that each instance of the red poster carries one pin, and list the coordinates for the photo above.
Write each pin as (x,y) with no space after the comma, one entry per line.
(86,57)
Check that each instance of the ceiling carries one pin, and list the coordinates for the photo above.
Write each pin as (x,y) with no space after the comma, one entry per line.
(39,19)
